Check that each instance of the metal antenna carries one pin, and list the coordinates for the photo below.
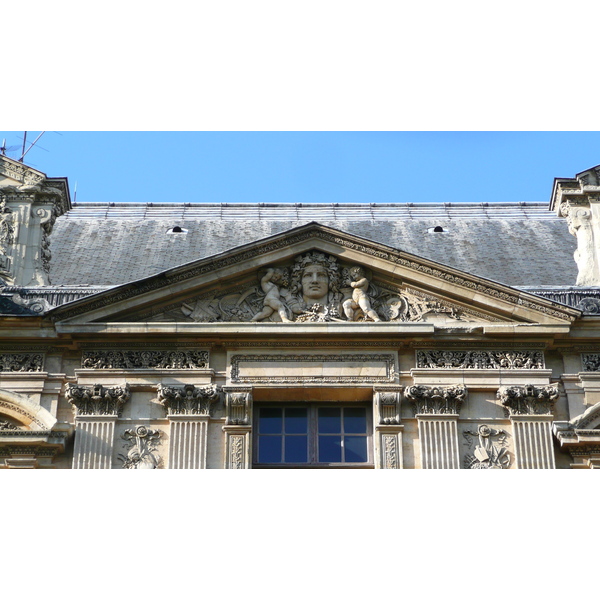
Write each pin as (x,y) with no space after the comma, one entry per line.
(30,147)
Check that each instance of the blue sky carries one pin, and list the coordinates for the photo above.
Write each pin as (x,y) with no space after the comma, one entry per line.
(310,166)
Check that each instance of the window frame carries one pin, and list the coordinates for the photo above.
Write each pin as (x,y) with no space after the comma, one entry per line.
(312,434)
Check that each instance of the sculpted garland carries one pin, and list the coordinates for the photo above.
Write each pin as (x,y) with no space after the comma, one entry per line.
(315,288)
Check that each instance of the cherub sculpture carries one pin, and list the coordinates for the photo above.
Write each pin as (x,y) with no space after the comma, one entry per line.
(359,295)
(270,284)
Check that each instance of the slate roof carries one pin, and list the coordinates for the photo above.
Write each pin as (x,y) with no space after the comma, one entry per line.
(518,244)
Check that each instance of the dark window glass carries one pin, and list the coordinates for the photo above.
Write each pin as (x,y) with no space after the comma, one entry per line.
(330,420)
(330,448)
(270,420)
(296,420)
(269,449)
(296,449)
(355,448)
(355,420)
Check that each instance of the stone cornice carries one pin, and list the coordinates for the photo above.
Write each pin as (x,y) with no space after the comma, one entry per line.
(301,234)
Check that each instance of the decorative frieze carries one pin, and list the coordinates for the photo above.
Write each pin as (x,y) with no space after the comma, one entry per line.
(141,448)
(591,362)
(528,399)
(436,400)
(30,362)
(188,399)
(480,359)
(145,359)
(97,399)
(238,405)
(490,451)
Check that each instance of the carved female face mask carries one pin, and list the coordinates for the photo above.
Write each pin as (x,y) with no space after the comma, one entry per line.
(315,282)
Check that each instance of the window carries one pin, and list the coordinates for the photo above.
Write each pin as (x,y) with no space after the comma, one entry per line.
(312,435)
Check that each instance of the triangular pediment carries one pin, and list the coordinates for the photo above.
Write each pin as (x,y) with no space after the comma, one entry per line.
(308,274)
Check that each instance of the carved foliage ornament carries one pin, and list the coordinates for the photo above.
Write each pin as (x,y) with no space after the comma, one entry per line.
(97,399)
(141,448)
(491,450)
(23,361)
(528,399)
(388,404)
(591,362)
(440,400)
(188,399)
(145,359)
(6,426)
(479,359)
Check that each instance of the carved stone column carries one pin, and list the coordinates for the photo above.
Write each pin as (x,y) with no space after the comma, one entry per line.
(530,410)
(437,410)
(98,408)
(388,430)
(188,409)
(238,427)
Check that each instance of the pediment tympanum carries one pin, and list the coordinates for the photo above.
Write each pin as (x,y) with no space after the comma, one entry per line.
(314,274)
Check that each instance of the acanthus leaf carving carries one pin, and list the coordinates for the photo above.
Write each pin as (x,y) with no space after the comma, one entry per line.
(188,399)
(437,400)
(96,400)
(145,359)
(479,359)
(528,399)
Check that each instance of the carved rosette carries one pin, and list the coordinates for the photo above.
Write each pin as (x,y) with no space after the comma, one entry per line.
(97,400)
(480,359)
(238,405)
(188,399)
(528,399)
(141,448)
(438,400)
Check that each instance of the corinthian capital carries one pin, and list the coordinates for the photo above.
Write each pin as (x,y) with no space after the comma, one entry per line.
(96,400)
(188,399)
(528,399)
(438,400)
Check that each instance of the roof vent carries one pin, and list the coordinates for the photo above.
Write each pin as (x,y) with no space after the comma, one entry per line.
(437,229)
(177,229)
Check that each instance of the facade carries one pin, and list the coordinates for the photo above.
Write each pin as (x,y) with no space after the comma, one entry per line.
(192,336)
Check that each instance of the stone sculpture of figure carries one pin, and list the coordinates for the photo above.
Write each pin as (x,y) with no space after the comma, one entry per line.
(360,285)
(272,302)
(314,280)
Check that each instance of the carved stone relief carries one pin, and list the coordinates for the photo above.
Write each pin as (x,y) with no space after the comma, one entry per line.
(388,404)
(141,448)
(579,220)
(23,362)
(6,426)
(188,399)
(145,359)
(591,362)
(7,232)
(238,404)
(314,288)
(490,451)
(438,400)
(528,399)
(479,359)
(97,399)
